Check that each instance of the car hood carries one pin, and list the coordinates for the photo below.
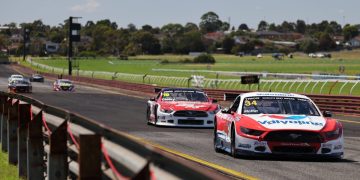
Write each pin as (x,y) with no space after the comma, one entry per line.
(194,106)
(293,122)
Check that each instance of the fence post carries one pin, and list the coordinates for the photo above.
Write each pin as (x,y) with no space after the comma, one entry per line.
(2,103)
(144,173)
(57,157)
(90,157)
(23,120)
(12,132)
(35,149)
(4,122)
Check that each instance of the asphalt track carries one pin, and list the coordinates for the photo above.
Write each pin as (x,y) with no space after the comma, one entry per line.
(128,114)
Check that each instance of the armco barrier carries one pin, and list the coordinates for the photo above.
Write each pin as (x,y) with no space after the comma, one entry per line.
(51,143)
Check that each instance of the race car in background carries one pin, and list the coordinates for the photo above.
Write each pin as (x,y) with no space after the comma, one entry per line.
(15,77)
(20,85)
(63,85)
(37,78)
(263,123)
(183,107)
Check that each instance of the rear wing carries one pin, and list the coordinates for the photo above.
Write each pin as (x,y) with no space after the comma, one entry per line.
(230,96)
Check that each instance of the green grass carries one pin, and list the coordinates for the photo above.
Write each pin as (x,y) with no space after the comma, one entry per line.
(144,64)
(7,172)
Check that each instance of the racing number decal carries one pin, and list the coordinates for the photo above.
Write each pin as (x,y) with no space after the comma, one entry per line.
(250,103)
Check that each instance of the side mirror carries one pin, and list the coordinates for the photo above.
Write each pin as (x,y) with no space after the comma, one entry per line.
(327,114)
(152,99)
(214,101)
(225,111)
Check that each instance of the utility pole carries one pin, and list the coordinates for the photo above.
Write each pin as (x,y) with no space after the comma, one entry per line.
(74,36)
(26,38)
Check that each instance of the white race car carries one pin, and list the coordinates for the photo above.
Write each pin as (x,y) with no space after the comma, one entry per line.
(183,107)
(262,123)
(15,77)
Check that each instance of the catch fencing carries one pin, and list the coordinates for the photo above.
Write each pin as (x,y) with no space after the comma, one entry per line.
(46,142)
(306,86)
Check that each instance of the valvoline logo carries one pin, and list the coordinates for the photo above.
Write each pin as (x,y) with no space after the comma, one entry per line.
(295,119)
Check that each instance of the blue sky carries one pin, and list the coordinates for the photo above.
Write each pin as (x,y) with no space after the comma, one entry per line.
(161,12)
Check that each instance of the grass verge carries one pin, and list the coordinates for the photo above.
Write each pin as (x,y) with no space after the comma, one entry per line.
(7,172)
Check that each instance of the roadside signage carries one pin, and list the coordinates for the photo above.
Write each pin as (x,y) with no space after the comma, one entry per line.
(250,79)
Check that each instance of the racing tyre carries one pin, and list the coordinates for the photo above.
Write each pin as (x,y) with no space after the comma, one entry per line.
(155,114)
(233,149)
(148,115)
(216,138)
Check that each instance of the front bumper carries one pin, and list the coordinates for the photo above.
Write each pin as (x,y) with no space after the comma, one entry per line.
(168,119)
(247,146)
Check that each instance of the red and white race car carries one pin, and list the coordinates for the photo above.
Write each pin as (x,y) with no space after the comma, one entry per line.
(182,107)
(263,123)
(63,85)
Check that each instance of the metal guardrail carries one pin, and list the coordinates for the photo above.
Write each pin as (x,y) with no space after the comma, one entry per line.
(52,143)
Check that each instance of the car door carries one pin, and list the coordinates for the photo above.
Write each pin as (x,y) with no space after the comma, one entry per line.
(228,118)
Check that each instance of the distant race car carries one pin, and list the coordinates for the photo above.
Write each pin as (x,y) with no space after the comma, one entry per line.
(37,78)
(181,107)
(21,85)
(15,77)
(262,123)
(63,85)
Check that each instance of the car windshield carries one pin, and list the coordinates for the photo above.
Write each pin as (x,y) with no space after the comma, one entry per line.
(184,96)
(16,76)
(20,82)
(65,82)
(279,105)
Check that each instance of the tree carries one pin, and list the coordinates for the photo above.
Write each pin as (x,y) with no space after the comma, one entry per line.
(349,32)
(263,26)
(148,43)
(172,29)
(308,46)
(243,27)
(300,26)
(225,26)
(287,27)
(191,27)
(326,43)
(131,27)
(190,42)
(210,22)
(147,28)
(227,44)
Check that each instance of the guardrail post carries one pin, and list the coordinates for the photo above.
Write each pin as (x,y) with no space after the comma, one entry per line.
(4,123)
(23,120)
(35,149)
(144,173)
(12,133)
(2,103)
(57,157)
(90,157)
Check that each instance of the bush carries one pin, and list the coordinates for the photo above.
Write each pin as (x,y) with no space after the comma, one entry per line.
(204,58)
(165,61)
(186,60)
(87,54)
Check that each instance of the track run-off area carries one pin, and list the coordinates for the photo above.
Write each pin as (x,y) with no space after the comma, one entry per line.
(127,113)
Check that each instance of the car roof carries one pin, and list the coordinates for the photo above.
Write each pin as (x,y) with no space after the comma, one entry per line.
(181,89)
(276,94)
(16,75)
(63,80)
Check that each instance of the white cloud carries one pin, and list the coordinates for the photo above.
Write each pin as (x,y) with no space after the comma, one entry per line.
(89,6)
